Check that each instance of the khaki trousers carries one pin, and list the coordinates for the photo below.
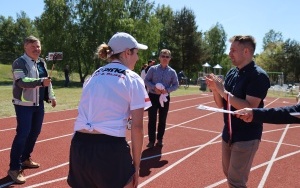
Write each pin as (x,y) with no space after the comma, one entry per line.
(237,160)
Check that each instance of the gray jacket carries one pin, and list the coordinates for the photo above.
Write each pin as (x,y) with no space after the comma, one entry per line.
(26,82)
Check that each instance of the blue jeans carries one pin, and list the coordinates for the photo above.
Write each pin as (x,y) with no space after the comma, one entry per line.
(29,125)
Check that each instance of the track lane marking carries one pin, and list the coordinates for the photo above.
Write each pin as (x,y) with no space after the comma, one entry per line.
(274,160)
(268,169)
(56,121)
(45,123)
(177,162)
(256,167)
(52,138)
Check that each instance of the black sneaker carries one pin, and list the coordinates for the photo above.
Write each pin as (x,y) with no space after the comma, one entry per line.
(150,145)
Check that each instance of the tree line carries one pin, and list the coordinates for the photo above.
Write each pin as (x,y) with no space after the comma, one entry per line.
(78,27)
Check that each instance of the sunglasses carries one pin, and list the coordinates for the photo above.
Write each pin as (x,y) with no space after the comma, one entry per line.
(165,56)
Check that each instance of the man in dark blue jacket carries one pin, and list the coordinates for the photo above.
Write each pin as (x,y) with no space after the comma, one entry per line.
(279,115)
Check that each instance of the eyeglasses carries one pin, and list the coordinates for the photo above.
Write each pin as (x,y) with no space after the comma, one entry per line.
(165,56)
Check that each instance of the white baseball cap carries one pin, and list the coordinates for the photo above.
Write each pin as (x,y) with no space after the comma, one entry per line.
(121,41)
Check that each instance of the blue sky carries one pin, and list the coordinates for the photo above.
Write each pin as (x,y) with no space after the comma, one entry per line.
(255,17)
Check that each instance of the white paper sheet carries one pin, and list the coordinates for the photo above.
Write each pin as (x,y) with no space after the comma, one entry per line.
(295,113)
(203,107)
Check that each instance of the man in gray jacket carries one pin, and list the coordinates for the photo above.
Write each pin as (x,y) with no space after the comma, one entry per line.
(31,86)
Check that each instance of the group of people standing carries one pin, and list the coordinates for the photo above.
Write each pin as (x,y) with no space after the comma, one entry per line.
(99,153)
(100,130)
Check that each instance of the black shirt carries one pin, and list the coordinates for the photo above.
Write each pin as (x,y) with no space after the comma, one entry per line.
(250,80)
(42,74)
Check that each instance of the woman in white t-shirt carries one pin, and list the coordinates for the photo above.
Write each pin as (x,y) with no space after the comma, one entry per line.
(143,72)
(100,155)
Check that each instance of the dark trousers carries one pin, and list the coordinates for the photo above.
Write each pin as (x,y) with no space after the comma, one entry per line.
(67,81)
(162,117)
(29,125)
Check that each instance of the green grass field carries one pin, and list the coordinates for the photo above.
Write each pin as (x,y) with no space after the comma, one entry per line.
(68,98)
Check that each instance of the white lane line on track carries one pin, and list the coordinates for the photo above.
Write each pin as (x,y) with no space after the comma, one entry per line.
(251,169)
(270,164)
(224,180)
(14,128)
(129,141)
(10,129)
(272,102)
(204,130)
(189,99)
(201,146)
(268,169)
(47,182)
(294,126)
(53,138)
(64,164)
(58,111)
(256,167)
(183,123)
(49,122)
(184,149)
(47,170)
(199,97)
(210,186)
(178,162)
(143,159)
(293,145)
(176,151)
(38,173)
(277,159)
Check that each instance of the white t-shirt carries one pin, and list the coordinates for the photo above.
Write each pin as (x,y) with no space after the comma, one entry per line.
(107,98)
(143,74)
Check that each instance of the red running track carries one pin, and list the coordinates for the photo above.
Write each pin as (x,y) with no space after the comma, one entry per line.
(191,156)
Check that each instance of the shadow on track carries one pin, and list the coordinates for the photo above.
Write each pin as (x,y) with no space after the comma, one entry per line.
(151,159)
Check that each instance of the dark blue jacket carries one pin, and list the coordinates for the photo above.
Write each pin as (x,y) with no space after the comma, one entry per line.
(280,115)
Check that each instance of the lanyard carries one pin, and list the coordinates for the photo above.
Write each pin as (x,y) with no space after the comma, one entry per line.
(229,120)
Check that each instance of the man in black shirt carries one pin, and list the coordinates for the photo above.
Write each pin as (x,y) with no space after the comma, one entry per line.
(245,85)
(150,63)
